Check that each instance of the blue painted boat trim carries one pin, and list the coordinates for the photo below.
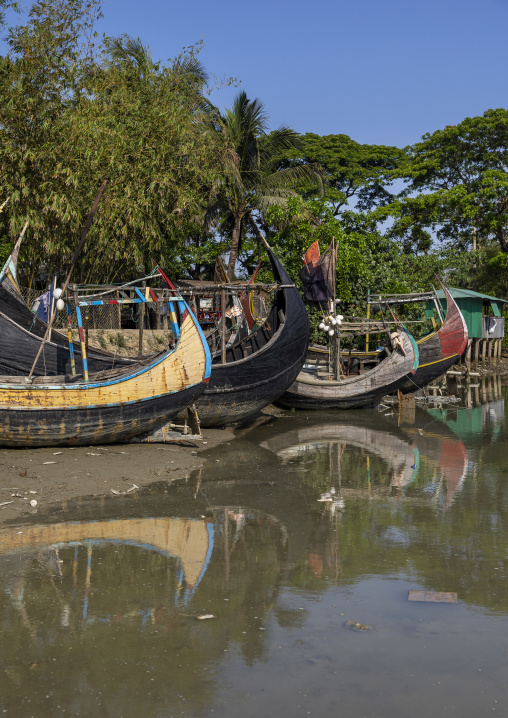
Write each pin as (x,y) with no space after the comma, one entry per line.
(208,366)
(89,385)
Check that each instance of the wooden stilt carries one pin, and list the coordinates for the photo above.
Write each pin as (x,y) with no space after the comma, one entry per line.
(468,354)
(476,343)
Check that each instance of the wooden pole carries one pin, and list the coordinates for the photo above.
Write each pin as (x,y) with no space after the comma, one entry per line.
(71,345)
(223,326)
(52,306)
(83,346)
(368,317)
(438,309)
(141,321)
(119,318)
(468,354)
(74,258)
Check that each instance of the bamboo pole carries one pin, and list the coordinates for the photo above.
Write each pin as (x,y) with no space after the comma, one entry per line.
(141,321)
(71,345)
(368,317)
(223,326)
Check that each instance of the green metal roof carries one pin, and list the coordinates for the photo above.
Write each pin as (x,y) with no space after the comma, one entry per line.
(468,294)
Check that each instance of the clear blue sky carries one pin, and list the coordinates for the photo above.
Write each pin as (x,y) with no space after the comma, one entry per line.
(381,71)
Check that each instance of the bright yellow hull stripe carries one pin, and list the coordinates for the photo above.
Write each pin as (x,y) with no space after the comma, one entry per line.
(438,360)
(183,367)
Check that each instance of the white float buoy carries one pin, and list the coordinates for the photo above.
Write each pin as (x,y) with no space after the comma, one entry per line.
(331,332)
(322,325)
(57,293)
(60,304)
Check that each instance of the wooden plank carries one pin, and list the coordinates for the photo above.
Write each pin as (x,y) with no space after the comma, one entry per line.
(433,596)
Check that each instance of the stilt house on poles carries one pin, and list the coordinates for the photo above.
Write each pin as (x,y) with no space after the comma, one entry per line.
(485,322)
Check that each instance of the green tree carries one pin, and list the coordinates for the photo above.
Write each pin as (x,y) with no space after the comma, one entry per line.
(354,172)
(72,115)
(250,182)
(457,187)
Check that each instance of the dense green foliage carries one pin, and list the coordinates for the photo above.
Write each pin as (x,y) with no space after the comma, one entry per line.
(188,181)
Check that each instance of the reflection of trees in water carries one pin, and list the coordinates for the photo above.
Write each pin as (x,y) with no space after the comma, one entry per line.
(445,529)
(113,626)
(462,550)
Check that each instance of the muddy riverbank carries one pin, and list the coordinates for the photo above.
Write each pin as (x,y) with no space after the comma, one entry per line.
(51,475)
(60,474)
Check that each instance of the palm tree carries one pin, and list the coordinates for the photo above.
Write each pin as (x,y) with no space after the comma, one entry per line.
(130,53)
(251,181)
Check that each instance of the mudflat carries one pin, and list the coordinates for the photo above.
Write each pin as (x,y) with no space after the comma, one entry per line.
(51,475)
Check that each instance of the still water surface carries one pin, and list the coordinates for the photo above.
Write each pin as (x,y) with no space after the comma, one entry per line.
(99,602)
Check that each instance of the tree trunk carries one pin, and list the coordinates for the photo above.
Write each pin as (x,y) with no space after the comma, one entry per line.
(235,243)
(503,241)
(257,232)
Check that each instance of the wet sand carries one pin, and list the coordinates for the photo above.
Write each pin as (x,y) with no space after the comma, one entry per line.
(52,475)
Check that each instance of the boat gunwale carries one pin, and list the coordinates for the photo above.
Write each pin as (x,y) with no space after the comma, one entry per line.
(127,375)
(379,369)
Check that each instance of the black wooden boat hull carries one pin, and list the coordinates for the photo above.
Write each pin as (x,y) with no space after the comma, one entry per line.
(424,375)
(291,400)
(91,426)
(246,384)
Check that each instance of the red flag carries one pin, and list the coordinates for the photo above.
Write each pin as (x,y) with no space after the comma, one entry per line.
(312,255)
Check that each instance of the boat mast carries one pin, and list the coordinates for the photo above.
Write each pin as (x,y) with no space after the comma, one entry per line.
(336,353)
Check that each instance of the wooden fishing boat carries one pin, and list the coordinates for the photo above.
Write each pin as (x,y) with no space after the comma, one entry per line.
(314,391)
(257,369)
(109,406)
(439,350)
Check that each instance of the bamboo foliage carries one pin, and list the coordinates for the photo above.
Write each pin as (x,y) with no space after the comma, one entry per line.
(71,115)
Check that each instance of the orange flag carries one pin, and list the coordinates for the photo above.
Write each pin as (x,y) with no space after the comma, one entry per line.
(312,255)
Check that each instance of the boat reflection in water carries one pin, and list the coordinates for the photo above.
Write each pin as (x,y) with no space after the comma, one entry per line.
(398,470)
(99,617)
(382,461)
(334,440)
(189,542)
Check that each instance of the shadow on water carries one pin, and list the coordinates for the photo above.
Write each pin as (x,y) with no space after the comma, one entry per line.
(300,525)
